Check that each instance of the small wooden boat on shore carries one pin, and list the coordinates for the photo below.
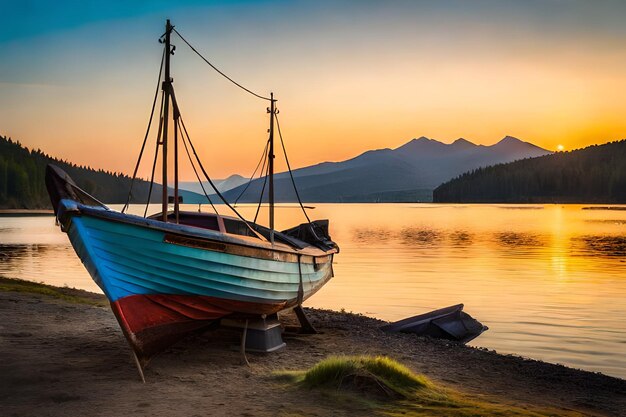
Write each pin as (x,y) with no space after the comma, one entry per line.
(450,323)
(175,272)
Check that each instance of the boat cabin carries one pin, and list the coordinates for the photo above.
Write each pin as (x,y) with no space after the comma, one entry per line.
(210,221)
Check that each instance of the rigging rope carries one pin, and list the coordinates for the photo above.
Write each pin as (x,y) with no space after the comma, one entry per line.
(263,157)
(196,172)
(293,181)
(156,155)
(258,207)
(143,146)
(218,71)
(193,148)
(188,139)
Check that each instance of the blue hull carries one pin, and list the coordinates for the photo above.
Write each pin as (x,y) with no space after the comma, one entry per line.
(126,259)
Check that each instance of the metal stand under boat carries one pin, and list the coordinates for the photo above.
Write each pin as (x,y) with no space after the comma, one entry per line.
(262,335)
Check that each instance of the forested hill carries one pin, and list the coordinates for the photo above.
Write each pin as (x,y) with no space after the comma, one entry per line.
(596,174)
(22,180)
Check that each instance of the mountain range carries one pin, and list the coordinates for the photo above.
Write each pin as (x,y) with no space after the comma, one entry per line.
(407,173)
(222,185)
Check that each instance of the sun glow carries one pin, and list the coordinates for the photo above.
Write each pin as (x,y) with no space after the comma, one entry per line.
(560,148)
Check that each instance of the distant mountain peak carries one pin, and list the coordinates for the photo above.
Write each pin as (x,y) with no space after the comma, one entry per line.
(421,139)
(511,143)
(236,177)
(463,142)
(510,139)
(420,144)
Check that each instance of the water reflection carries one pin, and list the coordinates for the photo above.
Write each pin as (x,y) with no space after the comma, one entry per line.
(521,207)
(411,236)
(515,240)
(605,208)
(617,222)
(55,264)
(17,253)
(461,238)
(420,236)
(601,245)
(371,235)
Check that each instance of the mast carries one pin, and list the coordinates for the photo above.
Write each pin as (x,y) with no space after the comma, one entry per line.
(166,86)
(271,166)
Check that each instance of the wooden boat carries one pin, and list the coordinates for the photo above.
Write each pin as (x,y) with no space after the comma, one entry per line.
(175,272)
(450,323)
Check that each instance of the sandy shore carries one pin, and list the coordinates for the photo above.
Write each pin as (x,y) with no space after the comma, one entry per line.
(25,212)
(62,358)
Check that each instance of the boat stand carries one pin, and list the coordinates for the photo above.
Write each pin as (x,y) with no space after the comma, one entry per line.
(305,325)
(259,334)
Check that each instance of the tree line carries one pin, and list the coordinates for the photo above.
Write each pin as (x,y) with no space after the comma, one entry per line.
(596,174)
(22,179)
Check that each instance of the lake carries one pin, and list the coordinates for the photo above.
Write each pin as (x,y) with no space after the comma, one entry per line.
(548,280)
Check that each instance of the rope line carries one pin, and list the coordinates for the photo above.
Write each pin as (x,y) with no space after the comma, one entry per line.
(301,284)
(143,146)
(193,148)
(293,181)
(263,157)
(263,162)
(196,172)
(258,207)
(218,71)
(156,155)
(263,173)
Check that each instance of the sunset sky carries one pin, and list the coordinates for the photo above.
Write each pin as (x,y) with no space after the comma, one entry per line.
(77,78)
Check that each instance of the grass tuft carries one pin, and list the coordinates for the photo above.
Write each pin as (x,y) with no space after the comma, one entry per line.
(367,373)
(392,389)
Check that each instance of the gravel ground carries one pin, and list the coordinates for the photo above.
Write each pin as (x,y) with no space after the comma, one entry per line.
(61,358)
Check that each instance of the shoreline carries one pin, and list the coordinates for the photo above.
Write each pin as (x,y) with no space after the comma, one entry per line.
(25,212)
(68,356)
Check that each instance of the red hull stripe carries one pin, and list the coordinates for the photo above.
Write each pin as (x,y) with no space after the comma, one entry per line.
(151,323)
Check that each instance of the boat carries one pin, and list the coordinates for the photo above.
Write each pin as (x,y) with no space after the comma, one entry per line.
(450,323)
(176,272)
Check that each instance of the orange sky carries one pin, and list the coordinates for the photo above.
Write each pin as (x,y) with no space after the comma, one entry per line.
(348,78)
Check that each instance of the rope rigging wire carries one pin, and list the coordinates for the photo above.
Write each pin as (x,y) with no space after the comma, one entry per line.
(263,158)
(258,207)
(191,144)
(209,178)
(143,146)
(218,71)
(293,181)
(196,171)
(156,157)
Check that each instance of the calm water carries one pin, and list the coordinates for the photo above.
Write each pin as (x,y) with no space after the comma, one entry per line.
(549,281)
